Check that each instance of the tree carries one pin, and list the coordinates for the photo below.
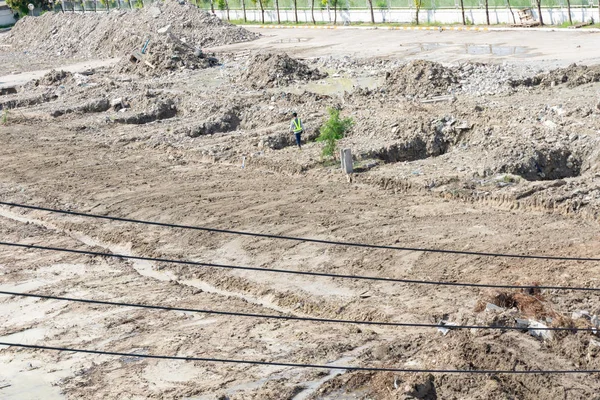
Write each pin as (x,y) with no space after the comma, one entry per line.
(569,11)
(418,5)
(296,10)
(539,8)
(223,5)
(277,9)
(21,5)
(244,10)
(332,131)
(511,11)
(262,4)
(312,11)
(335,4)
(371,9)
(462,9)
(487,11)
(328,4)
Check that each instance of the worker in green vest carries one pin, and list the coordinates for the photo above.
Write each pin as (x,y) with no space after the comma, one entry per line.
(297,128)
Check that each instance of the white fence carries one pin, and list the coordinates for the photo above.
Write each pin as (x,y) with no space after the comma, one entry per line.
(551,16)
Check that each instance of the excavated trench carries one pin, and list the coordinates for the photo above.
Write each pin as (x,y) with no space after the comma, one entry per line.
(546,165)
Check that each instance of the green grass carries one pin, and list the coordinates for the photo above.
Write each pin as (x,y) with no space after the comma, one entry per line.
(6,26)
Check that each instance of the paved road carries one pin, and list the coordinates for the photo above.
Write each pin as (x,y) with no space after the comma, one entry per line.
(558,48)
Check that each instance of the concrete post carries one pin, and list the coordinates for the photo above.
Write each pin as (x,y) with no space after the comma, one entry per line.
(346,157)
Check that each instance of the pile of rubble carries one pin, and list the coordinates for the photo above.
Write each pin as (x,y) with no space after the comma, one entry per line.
(116,33)
(421,78)
(274,70)
(165,53)
(574,75)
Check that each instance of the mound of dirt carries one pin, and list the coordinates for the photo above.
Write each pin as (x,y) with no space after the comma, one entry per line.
(421,78)
(53,77)
(119,32)
(165,53)
(273,70)
(574,75)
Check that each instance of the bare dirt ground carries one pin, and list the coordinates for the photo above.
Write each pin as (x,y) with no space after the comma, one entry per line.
(509,163)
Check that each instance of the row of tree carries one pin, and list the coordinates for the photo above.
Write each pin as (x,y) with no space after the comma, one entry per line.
(333,4)
(21,6)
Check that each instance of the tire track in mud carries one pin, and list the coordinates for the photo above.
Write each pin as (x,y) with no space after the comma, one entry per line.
(530,200)
(146,269)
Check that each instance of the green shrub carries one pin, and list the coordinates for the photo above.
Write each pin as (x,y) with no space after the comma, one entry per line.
(332,131)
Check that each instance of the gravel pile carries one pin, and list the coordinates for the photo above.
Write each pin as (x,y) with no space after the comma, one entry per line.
(100,35)
(165,53)
(421,78)
(274,70)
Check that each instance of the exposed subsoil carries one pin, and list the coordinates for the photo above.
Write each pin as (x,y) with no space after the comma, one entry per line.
(477,157)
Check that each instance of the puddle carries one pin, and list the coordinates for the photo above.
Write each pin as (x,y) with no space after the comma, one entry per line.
(494,50)
(431,46)
(28,336)
(146,268)
(27,376)
(293,40)
(474,49)
(310,387)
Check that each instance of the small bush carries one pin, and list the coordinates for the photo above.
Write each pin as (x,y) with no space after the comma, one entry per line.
(332,131)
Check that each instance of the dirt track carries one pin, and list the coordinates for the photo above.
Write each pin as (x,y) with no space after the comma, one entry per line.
(441,175)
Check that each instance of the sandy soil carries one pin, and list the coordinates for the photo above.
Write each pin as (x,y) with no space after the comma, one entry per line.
(170,169)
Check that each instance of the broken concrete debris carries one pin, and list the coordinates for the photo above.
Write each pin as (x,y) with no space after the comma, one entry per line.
(534,330)
(274,70)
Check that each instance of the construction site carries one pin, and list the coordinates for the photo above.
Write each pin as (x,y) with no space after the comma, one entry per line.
(163,236)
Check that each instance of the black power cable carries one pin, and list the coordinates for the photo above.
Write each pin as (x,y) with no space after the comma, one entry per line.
(298,365)
(288,317)
(287,271)
(298,239)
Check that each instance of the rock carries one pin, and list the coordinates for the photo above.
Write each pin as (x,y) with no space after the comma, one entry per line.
(535,331)
(165,29)
(423,388)
(443,330)
(96,105)
(493,307)
(522,323)
(116,104)
(580,314)
(154,11)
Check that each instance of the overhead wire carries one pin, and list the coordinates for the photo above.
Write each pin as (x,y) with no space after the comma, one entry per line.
(300,365)
(300,239)
(294,272)
(289,317)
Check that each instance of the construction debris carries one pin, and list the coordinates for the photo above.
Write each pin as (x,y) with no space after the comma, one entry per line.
(117,33)
(274,70)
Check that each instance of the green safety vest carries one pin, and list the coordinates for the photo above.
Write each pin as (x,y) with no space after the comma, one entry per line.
(297,125)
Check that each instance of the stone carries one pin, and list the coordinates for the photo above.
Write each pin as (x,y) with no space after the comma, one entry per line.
(493,307)
(165,29)
(154,11)
(116,104)
(534,330)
